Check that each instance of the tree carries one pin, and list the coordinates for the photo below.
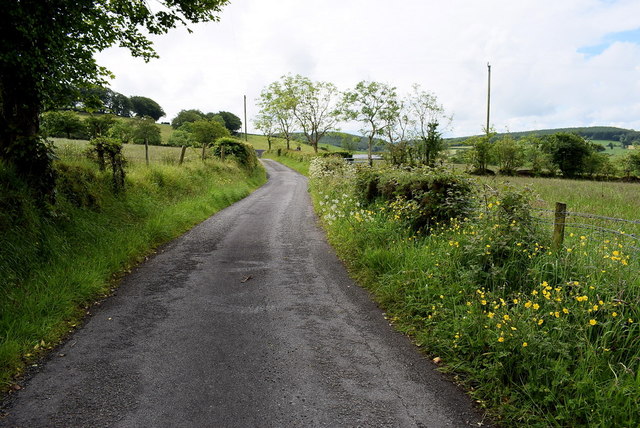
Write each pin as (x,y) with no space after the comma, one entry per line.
(231,122)
(508,154)
(631,163)
(205,132)
(143,106)
(123,130)
(181,137)
(277,101)
(47,53)
(62,123)
(99,125)
(267,124)
(145,131)
(480,153)
(314,106)
(569,152)
(120,105)
(426,114)
(373,104)
(186,116)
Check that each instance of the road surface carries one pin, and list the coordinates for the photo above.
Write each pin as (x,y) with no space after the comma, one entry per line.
(248,320)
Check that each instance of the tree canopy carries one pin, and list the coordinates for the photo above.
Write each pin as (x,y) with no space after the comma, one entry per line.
(143,106)
(185,116)
(47,53)
(231,121)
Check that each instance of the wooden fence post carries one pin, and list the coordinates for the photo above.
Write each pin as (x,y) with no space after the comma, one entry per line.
(184,150)
(146,152)
(558,225)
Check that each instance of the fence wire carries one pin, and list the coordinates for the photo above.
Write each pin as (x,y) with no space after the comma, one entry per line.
(623,230)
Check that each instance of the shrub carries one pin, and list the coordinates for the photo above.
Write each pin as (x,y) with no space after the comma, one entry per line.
(430,195)
(110,148)
(243,153)
(505,243)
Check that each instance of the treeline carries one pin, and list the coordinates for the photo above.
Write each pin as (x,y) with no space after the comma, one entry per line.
(99,99)
(560,154)
(608,133)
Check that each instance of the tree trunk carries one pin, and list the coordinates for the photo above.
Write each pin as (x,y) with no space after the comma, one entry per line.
(20,143)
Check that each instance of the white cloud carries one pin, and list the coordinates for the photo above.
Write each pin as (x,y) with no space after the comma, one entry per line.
(540,78)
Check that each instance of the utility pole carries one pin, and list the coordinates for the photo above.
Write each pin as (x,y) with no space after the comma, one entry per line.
(488,98)
(246,138)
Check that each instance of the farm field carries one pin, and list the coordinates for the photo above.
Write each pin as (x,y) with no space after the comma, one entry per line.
(613,199)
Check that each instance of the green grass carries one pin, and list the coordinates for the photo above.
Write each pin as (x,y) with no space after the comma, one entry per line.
(613,199)
(300,164)
(53,267)
(539,336)
(260,142)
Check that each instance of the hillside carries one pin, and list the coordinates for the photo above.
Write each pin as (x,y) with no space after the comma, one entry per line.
(603,133)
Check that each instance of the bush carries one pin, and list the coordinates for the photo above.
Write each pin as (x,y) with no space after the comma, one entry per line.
(505,243)
(243,153)
(425,196)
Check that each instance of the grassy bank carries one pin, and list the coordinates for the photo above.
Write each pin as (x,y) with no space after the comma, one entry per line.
(292,159)
(540,336)
(54,266)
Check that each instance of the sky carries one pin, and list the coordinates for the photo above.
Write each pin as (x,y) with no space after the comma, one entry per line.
(554,63)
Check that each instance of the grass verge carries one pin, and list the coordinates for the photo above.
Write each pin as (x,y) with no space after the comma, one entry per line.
(540,336)
(53,267)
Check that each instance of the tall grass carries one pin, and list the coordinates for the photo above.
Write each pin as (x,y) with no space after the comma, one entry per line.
(52,266)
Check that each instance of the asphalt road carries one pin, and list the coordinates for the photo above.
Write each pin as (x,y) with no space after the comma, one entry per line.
(248,320)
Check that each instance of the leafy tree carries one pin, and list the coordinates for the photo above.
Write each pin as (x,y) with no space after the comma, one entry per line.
(631,163)
(120,105)
(181,137)
(47,52)
(123,130)
(143,106)
(536,156)
(205,132)
(314,107)
(277,101)
(373,104)
(267,124)
(568,152)
(145,131)
(61,123)
(231,122)
(426,114)
(185,116)
(480,153)
(99,125)
(508,154)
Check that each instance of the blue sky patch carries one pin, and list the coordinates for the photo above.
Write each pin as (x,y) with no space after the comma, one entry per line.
(632,36)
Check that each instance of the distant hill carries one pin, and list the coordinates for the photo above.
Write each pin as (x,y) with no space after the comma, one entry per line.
(605,133)
(342,139)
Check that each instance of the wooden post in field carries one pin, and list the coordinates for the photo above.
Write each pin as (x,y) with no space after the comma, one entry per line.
(204,146)
(222,153)
(146,151)
(184,150)
(558,225)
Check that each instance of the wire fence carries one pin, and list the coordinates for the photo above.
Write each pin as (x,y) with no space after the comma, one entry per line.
(576,223)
